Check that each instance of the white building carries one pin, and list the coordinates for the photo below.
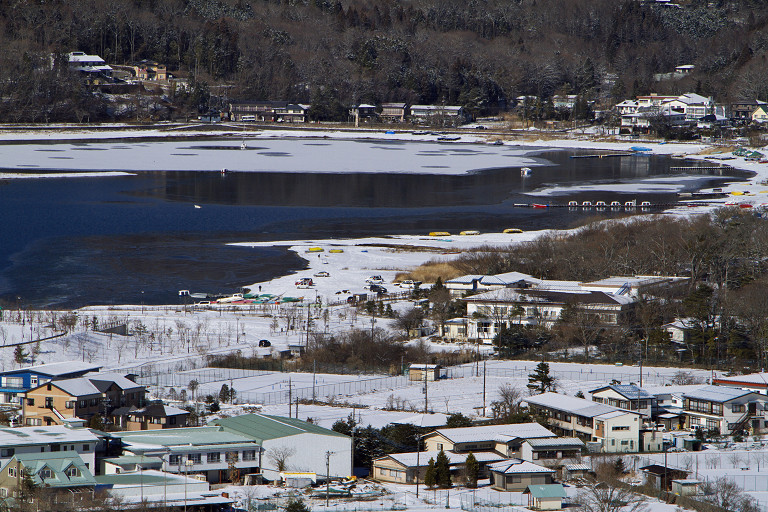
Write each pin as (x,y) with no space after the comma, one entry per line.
(17,441)
(727,409)
(84,63)
(616,430)
(504,439)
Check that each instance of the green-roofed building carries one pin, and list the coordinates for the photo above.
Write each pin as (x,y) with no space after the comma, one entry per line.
(545,496)
(63,470)
(204,451)
(301,445)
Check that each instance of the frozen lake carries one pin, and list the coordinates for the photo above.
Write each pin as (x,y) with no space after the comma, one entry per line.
(161,223)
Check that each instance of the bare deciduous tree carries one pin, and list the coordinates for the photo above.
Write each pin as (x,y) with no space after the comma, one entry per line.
(279,456)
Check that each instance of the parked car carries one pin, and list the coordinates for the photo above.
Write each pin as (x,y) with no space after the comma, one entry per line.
(265,343)
(322,274)
(376,288)
(408,283)
(374,280)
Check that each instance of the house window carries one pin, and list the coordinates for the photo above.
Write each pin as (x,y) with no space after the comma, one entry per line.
(34,422)
(174,459)
(7,452)
(11,471)
(49,402)
(620,428)
(83,403)
(30,402)
(94,402)
(514,479)
(70,404)
(3,492)
(439,446)
(624,443)
(45,473)
(194,457)
(249,454)
(86,447)
(72,471)
(172,420)
(33,381)
(738,408)
(214,457)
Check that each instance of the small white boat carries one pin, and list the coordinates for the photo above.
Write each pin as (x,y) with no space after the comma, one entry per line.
(525,171)
(197,206)
(243,145)
(224,171)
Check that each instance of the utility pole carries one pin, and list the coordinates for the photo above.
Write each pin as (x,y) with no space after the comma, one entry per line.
(297,409)
(314,379)
(290,397)
(327,476)
(484,362)
(426,379)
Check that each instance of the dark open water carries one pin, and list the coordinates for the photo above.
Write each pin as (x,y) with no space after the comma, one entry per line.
(132,239)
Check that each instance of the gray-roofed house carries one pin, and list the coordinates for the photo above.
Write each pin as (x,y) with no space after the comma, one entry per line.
(63,401)
(625,396)
(517,474)
(44,440)
(552,452)
(403,467)
(725,409)
(153,417)
(13,383)
(506,440)
(306,443)
(616,430)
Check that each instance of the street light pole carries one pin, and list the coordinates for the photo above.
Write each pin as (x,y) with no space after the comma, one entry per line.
(327,477)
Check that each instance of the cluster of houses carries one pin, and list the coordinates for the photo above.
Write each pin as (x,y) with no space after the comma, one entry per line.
(286,112)
(690,109)
(154,454)
(619,418)
(498,301)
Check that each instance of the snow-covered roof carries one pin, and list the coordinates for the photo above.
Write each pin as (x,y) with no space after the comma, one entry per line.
(514,466)
(468,279)
(629,391)
(423,420)
(573,405)
(752,379)
(499,433)
(45,435)
(422,366)
(556,442)
(57,369)
(408,459)
(716,393)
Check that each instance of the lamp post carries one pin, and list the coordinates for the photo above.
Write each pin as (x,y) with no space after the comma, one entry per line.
(187,463)
(418,467)
(327,477)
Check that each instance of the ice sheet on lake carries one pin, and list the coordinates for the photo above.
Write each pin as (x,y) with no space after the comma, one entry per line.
(651,185)
(268,155)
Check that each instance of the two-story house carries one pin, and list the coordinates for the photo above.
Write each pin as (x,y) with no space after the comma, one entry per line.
(47,440)
(65,401)
(58,470)
(150,417)
(725,409)
(394,112)
(615,430)
(506,440)
(626,396)
(14,383)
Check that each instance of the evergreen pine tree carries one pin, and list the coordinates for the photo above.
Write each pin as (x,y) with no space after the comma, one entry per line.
(443,470)
(224,394)
(472,469)
(430,475)
(540,381)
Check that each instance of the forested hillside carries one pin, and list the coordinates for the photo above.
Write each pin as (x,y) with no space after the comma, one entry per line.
(478,53)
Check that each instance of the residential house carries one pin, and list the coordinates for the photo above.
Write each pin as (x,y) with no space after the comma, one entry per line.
(741,110)
(455,329)
(306,443)
(49,440)
(209,452)
(150,417)
(545,497)
(364,112)
(564,101)
(150,70)
(394,112)
(760,114)
(268,111)
(660,477)
(489,312)
(642,120)
(693,105)
(14,383)
(757,382)
(59,470)
(725,409)
(552,452)
(625,396)
(685,69)
(442,115)
(473,284)
(506,440)
(612,429)
(419,372)
(91,65)
(517,474)
(63,401)
(404,468)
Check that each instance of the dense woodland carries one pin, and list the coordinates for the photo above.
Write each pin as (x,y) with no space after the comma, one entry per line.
(480,54)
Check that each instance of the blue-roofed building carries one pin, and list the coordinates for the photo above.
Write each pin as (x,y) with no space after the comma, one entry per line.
(626,396)
(726,409)
(13,383)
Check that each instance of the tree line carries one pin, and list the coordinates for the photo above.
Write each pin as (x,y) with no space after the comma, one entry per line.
(332,53)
